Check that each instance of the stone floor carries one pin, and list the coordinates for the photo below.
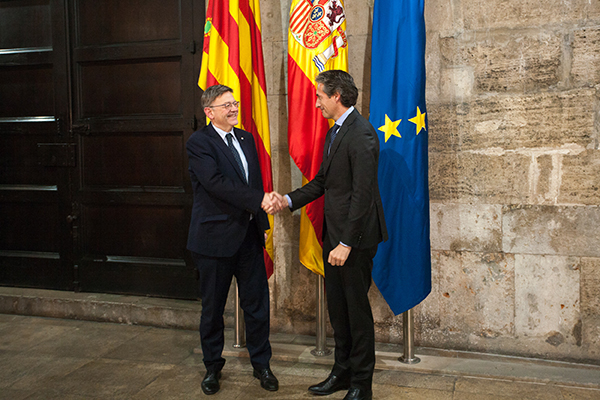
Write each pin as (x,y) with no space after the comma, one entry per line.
(48,358)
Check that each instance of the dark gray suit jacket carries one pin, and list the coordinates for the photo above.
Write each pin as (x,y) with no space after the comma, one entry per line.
(348,179)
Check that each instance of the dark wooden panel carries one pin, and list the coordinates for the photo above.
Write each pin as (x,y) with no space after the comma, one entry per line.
(29,227)
(117,21)
(25,23)
(134,231)
(30,90)
(31,271)
(19,161)
(177,281)
(133,160)
(125,88)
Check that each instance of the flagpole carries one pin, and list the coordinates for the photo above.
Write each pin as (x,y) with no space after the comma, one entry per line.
(408,329)
(321,350)
(239,339)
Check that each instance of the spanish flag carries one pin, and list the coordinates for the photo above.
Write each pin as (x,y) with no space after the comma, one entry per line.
(316,42)
(233,56)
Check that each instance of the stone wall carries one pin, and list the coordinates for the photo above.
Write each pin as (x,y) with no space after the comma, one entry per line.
(513,96)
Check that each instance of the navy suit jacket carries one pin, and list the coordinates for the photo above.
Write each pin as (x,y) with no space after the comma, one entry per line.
(223,202)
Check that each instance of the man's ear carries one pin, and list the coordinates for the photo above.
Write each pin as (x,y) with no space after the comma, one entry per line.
(208,112)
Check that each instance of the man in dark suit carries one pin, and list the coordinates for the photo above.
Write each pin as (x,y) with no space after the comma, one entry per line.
(227,234)
(353,226)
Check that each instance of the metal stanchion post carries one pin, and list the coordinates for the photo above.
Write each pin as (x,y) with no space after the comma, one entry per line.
(321,349)
(240,328)
(409,337)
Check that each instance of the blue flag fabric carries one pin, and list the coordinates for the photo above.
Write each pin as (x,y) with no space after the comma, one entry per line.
(402,266)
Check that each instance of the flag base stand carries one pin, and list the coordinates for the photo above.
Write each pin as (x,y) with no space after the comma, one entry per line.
(409,336)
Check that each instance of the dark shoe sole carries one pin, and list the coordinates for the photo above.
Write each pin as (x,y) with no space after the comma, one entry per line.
(321,393)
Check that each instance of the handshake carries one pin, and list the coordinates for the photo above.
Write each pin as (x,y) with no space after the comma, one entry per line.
(273,203)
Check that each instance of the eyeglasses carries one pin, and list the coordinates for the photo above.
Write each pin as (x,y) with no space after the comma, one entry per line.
(228,106)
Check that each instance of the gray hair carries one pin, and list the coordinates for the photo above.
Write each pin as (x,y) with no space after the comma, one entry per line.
(212,92)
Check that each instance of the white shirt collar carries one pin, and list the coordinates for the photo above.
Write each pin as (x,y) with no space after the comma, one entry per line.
(222,133)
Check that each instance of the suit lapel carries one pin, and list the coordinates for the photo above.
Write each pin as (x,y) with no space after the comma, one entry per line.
(338,139)
(226,150)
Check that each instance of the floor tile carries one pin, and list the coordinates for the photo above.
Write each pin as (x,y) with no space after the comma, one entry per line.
(157,345)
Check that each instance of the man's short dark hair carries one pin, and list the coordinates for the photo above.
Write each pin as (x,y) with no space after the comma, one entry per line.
(212,92)
(338,81)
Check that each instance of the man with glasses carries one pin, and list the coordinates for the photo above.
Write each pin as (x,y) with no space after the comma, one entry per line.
(227,234)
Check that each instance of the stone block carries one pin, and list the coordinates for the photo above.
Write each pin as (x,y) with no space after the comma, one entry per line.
(470,227)
(359,60)
(547,300)
(591,337)
(493,178)
(440,16)
(585,67)
(445,126)
(359,17)
(590,287)
(432,67)
(506,62)
(486,14)
(456,84)
(477,293)
(274,17)
(443,177)
(537,121)
(275,55)
(580,179)
(553,230)
(445,225)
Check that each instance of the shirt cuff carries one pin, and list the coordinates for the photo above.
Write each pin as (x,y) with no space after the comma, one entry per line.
(288,200)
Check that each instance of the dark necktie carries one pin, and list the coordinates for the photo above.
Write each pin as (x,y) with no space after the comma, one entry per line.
(334,132)
(236,155)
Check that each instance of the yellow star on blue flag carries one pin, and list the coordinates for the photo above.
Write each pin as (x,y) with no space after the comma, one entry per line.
(419,120)
(390,128)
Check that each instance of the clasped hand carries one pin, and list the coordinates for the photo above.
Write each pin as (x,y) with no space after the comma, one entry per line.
(273,203)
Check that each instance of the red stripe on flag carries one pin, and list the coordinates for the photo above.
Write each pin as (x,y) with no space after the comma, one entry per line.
(224,23)
(307,128)
(256,40)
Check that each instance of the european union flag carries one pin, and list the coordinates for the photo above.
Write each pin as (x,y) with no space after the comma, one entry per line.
(402,266)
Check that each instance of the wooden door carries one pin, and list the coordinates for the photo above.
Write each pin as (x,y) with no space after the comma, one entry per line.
(36,149)
(119,101)
(134,86)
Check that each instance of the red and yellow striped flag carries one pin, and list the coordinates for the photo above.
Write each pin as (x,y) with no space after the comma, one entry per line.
(316,42)
(233,56)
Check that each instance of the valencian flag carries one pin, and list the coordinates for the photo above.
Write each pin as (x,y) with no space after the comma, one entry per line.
(316,42)
(402,266)
(233,56)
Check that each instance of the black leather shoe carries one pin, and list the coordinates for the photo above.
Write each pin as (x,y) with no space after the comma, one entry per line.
(358,394)
(330,385)
(267,379)
(210,383)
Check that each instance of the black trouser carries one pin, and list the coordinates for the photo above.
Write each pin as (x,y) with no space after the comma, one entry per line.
(350,314)
(216,273)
